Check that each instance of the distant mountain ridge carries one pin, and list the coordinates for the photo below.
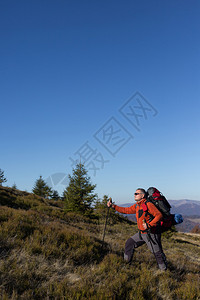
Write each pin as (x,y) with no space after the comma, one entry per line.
(185,207)
(183,201)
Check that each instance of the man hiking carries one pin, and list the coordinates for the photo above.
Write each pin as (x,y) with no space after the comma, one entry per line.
(148,225)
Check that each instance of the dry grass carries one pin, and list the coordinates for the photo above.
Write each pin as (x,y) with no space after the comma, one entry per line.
(48,254)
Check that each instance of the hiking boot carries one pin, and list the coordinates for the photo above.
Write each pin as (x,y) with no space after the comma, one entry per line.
(128,259)
(162,267)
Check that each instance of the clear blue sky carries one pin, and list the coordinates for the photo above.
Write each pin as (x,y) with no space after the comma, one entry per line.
(74,76)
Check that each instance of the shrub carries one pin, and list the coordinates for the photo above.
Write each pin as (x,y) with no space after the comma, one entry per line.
(196,229)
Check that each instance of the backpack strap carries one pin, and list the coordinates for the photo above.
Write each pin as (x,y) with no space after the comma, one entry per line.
(145,209)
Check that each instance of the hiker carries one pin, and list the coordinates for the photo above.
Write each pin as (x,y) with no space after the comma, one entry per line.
(148,225)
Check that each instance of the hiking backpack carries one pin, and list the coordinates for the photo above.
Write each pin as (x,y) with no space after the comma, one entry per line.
(158,199)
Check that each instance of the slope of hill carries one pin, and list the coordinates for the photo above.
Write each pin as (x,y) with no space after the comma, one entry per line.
(46,253)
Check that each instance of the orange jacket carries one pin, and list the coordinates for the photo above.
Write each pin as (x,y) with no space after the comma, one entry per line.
(140,214)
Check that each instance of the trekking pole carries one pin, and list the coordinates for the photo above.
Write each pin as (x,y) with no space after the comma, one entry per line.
(108,209)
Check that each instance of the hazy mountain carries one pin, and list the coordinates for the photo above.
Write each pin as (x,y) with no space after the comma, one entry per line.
(185,207)
(188,224)
(183,201)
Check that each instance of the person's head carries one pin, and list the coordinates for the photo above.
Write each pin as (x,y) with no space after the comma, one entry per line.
(140,194)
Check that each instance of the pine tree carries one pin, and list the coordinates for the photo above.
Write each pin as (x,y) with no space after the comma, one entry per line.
(101,204)
(101,208)
(55,195)
(79,195)
(14,186)
(2,177)
(41,188)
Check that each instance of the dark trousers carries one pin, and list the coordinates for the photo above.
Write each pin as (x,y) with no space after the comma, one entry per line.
(153,242)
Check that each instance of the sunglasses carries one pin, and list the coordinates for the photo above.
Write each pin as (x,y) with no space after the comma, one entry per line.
(137,193)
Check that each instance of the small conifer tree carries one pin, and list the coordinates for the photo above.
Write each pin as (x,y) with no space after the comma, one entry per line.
(2,177)
(41,188)
(101,204)
(101,209)
(14,186)
(55,195)
(79,195)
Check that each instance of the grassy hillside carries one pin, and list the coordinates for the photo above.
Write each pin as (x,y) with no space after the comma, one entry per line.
(48,254)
